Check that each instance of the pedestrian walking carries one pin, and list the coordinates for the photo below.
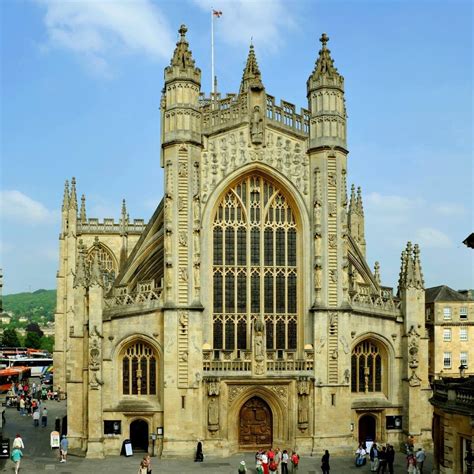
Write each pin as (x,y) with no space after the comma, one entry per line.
(411,464)
(258,467)
(44,418)
(325,462)
(242,468)
(147,459)
(18,442)
(382,469)
(295,460)
(36,418)
(390,458)
(199,454)
(22,406)
(63,448)
(142,468)
(374,458)
(420,457)
(284,462)
(16,458)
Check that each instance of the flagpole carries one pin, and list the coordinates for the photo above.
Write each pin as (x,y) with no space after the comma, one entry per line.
(212,51)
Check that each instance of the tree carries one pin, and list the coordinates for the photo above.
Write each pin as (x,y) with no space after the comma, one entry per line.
(34,327)
(33,340)
(47,343)
(10,338)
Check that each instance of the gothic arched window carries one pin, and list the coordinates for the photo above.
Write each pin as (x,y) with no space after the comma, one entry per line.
(367,367)
(139,370)
(254,266)
(107,264)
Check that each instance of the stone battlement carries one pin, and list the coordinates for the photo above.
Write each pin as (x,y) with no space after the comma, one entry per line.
(232,109)
(110,226)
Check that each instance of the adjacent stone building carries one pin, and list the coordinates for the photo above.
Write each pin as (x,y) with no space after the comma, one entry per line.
(453,425)
(450,325)
(245,313)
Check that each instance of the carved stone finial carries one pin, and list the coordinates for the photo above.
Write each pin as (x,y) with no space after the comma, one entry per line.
(352,202)
(182,56)
(418,274)
(73,195)
(182,31)
(96,277)
(66,196)
(324,39)
(251,78)
(359,205)
(83,209)
(411,275)
(377,272)
(324,64)
(81,278)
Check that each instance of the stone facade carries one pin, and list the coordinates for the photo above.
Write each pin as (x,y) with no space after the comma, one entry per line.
(450,324)
(245,313)
(453,425)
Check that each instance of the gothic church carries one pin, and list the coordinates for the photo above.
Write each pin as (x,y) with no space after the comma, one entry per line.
(244,312)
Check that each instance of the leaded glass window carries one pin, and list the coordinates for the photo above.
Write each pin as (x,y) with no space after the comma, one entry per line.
(367,370)
(254,266)
(139,370)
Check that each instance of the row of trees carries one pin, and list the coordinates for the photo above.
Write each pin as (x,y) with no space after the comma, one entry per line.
(34,338)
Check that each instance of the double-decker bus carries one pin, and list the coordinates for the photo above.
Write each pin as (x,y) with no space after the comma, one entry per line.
(13,375)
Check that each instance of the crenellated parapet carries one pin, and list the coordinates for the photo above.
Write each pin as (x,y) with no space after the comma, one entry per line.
(93,225)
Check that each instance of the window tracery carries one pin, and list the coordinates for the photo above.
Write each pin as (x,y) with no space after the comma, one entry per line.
(367,368)
(254,266)
(106,262)
(139,370)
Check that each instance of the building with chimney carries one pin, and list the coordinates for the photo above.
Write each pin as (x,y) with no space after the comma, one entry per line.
(244,313)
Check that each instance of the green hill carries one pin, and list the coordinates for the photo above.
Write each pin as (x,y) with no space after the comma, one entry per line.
(32,305)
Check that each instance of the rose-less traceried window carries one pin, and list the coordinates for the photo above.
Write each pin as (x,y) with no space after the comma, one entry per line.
(366,368)
(254,266)
(139,370)
(107,264)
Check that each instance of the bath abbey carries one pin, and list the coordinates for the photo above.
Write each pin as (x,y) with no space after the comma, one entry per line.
(243,313)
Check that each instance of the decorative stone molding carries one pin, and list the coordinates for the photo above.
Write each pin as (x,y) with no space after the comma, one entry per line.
(227,153)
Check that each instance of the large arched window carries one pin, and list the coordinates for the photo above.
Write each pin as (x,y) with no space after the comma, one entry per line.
(367,367)
(254,266)
(107,264)
(139,370)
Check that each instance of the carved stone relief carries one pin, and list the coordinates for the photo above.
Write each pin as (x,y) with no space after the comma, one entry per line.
(225,154)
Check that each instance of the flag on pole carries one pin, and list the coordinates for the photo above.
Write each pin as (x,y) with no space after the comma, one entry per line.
(217,13)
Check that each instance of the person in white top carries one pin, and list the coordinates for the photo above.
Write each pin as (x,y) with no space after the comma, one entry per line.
(18,442)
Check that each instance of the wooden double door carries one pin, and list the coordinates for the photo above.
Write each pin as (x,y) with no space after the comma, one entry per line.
(255,425)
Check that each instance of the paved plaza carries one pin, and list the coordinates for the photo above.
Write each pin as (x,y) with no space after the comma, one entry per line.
(39,457)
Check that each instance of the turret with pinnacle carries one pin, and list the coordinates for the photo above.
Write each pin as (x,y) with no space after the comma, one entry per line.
(180,114)
(325,92)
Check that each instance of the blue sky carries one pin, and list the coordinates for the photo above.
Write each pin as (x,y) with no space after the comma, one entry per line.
(80,93)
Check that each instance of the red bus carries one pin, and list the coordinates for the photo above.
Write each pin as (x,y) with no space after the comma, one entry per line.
(13,375)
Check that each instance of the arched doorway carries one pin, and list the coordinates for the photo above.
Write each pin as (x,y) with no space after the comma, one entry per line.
(139,435)
(255,425)
(367,428)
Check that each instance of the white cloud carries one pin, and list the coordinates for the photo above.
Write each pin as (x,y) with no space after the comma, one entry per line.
(450,209)
(98,29)
(432,238)
(242,20)
(15,205)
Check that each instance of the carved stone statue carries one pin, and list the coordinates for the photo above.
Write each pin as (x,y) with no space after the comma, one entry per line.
(256,126)
(303,412)
(213,414)
(259,347)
